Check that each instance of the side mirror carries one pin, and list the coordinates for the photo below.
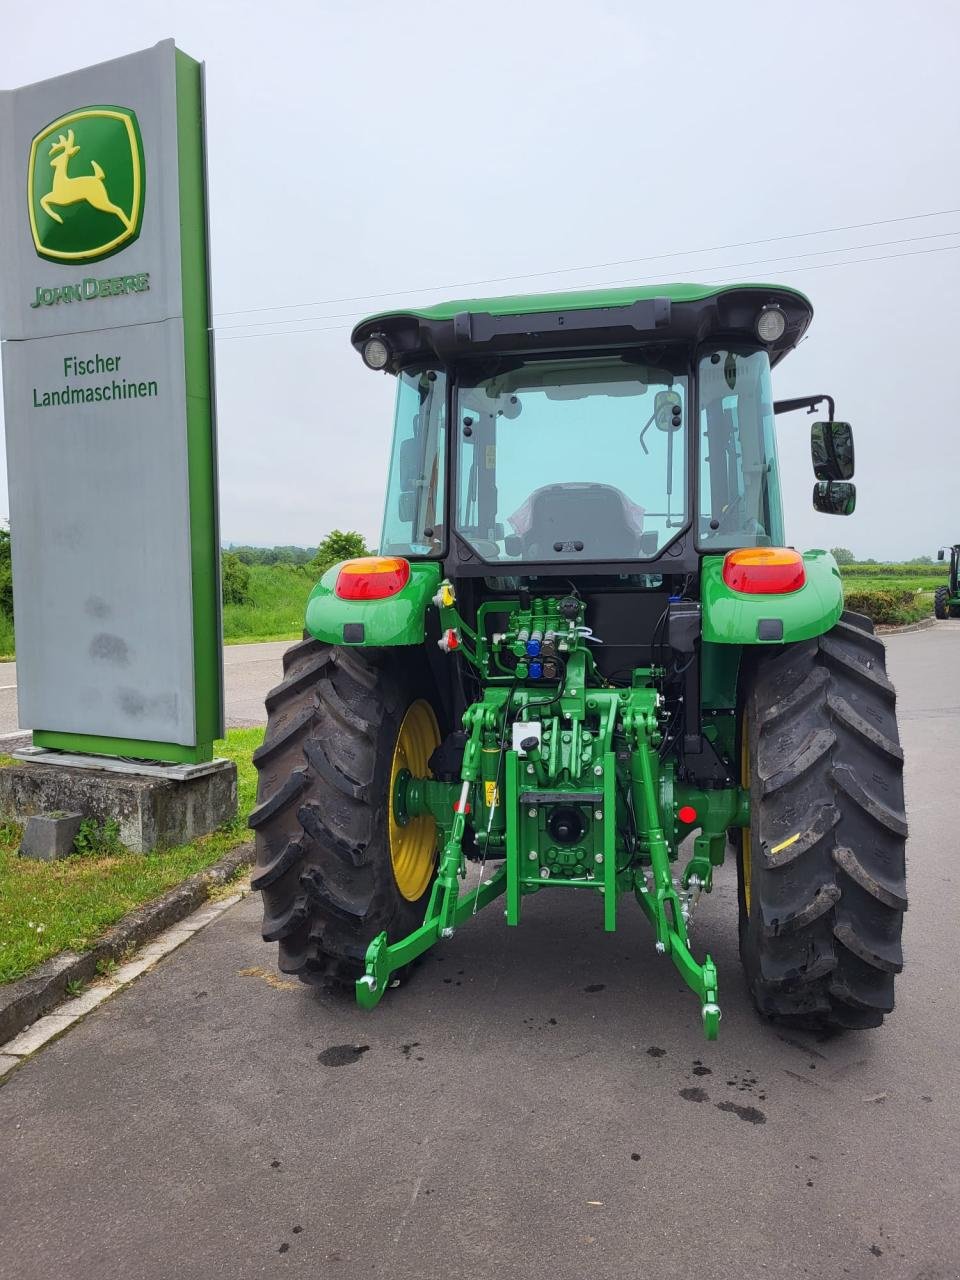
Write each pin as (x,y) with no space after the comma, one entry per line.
(835,497)
(940,555)
(831,448)
(409,464)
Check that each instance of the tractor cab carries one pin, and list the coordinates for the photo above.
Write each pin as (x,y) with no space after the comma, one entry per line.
(591,432)
(946,600)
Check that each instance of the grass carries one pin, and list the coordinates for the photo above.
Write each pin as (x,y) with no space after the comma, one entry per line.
(278,601)
(6,638)
(49,907)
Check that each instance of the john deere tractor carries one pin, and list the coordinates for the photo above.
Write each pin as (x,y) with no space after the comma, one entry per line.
(946,600)
(586,660)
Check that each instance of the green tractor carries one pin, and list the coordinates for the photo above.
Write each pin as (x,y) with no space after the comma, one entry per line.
(946,600)
(585,660)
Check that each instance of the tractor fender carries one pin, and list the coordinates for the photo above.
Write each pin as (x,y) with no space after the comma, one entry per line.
(736,617)
(399,619)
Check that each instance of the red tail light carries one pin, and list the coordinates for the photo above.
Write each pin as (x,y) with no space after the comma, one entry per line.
(372,577)
(764,570)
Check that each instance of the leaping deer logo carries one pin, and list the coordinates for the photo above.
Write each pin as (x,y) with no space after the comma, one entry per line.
(69,190)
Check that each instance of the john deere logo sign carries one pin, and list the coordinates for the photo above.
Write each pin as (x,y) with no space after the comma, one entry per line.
(85,185)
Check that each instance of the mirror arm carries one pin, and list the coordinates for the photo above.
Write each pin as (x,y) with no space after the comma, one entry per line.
(804,402)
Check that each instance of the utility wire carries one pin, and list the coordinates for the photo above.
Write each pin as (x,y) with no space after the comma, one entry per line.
(816,267)
(791,257)
(820,266)
(593,266)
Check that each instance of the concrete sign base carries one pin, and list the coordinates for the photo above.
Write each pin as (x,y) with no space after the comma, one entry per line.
(153,812)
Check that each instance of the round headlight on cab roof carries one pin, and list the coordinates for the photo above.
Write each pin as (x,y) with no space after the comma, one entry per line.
(770,324)
(376,353)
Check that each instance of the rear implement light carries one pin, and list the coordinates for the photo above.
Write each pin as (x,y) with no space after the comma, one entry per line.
(764,570)
(372,577)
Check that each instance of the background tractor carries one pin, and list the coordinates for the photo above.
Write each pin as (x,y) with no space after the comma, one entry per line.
(583,642)
(946,600)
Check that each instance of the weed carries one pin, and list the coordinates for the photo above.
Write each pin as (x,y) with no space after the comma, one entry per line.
(98,839)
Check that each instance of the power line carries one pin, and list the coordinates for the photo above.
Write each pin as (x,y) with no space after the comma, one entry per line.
(791,257)
(595,266)
(820,266)
(758,262)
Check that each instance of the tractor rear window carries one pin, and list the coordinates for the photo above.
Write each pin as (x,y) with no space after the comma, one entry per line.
(739,486)
(575,460)
(417,482)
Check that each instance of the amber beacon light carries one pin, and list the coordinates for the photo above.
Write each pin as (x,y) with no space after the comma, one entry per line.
(764,570)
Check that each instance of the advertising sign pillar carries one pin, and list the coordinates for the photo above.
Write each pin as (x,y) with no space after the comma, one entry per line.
(109,409)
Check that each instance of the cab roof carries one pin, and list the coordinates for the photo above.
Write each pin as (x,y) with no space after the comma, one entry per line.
(631,316)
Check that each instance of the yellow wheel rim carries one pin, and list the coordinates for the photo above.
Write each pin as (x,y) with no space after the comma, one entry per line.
(745,851)
(413,845)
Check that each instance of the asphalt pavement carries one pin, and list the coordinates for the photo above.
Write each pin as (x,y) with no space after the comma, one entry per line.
(536,1103)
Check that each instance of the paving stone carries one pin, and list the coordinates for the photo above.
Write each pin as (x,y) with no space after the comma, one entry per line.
(83,1003)
(125,973)
(42,1030)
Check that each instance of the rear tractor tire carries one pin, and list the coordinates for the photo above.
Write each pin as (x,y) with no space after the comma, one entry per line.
(941,609)
(333,866)
(822,864)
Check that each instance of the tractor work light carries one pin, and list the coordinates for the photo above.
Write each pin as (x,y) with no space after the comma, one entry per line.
(770,324)
(376,353)
(764,570)
(372,577)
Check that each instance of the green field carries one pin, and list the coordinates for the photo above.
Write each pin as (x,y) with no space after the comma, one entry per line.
(278,600)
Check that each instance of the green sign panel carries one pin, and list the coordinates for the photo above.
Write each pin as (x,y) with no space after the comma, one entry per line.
(85,185)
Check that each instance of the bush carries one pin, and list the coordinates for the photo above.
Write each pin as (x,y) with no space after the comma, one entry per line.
(337,546)
(234,579)
(873,569)
(888,607)
(6,576)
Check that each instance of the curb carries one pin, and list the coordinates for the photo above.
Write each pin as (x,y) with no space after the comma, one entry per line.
(29,998)
(923,625)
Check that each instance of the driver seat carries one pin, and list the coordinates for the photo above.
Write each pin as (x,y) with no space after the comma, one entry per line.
(592,514)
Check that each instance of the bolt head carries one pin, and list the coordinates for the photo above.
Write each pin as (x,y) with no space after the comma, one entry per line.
(446,933)
(598,857)
(544,873)
(598,814)
(660,948)
(530,769)
(532,855)
(531,813)
(598,770)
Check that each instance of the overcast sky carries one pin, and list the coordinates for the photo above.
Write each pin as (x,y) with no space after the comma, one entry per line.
(372,148)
